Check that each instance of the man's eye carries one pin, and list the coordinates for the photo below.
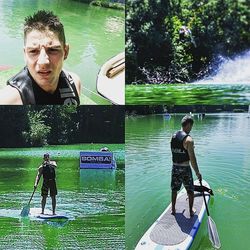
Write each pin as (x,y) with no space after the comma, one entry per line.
(33,51)
(51,50)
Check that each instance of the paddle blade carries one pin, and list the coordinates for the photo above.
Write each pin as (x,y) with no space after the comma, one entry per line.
(25,211)
(213,233)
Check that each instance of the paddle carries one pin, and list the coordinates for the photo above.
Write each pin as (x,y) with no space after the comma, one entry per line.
(26,209)
(212,230)
(203,189)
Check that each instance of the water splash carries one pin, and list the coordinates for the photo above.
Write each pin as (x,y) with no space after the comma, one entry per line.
(233,71)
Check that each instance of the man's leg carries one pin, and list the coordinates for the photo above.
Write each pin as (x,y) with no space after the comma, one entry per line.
(43,202)
(174,195)
(175,186)
(191,202)
(53,198)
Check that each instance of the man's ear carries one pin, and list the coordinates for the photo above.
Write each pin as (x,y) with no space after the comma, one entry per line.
(66,51)
(24,55)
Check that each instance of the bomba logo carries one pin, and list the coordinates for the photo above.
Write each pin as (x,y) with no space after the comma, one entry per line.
(96,159)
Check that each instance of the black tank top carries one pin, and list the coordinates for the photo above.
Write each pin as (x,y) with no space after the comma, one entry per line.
(31,93)
(179,153)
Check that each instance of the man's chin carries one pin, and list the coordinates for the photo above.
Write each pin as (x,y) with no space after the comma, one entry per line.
(44,81)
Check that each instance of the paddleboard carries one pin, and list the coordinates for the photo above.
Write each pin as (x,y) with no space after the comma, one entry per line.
(111,80)
(36,213)
(177,232)
(50,216)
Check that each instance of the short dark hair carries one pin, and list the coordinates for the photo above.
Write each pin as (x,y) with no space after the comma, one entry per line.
(44,20)
(186,120)
(46,155)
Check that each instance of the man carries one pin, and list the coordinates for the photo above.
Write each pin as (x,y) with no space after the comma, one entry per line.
(42,81)
(182,147)
(47,170)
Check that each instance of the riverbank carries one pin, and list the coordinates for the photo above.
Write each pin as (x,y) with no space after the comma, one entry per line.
(108,4)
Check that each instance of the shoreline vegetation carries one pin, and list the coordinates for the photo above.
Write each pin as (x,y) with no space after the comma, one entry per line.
(37,126)
(133,110)
(112,4)
(108,4)
(181,41)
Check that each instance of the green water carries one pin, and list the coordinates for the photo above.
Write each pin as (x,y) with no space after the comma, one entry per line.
(95,34)
(188,94)
(94,199)
(222,143)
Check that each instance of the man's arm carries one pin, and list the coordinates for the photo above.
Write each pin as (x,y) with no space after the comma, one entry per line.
(77,82)
(189,145)
(10,96)
(53,163)
(39,174)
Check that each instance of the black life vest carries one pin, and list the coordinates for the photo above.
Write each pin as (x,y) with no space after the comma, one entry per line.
(179,153)
(31,93)
(48,171)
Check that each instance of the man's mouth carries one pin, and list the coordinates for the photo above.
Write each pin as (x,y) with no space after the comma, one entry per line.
(44,72)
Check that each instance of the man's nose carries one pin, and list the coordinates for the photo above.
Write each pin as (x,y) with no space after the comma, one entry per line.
(43,58)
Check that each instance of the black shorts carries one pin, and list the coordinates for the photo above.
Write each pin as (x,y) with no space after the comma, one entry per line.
(182,175)
(49,186)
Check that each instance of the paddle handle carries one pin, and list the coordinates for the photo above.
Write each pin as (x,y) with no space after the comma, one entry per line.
(204,200)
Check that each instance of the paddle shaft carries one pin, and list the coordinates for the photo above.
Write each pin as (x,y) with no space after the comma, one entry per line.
(205,200)
(32,196)
(34,191)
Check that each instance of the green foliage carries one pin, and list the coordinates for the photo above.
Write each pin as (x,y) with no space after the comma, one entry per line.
(60,124)
(156,47)
(38,130)
(109,4)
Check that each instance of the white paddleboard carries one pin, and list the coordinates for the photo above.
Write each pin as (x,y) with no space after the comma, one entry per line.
(177,232)
(111,79)
(36,213)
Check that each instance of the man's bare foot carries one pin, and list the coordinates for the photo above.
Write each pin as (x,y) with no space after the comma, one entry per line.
(192,212)
(173,211)
(42,212)
(54,213)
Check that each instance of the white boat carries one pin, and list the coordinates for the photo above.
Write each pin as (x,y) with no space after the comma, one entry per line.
(111,79)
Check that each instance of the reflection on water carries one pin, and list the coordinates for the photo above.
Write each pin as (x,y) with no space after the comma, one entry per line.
(97,178)
(114,25)
(222,143)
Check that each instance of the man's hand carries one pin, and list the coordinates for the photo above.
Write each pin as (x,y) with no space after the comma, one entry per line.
(199,176)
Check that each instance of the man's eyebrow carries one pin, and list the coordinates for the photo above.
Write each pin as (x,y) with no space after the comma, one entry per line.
(34,47)
(54,46)
(49,46)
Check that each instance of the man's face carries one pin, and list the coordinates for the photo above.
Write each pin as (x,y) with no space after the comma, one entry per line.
(44,55)
(188,128)
(46,158)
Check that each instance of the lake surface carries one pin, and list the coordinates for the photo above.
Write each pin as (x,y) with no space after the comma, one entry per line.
(95,34)
(94,200)
(188,94)
(222,143)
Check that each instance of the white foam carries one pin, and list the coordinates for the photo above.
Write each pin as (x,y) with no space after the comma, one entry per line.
(231,71)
